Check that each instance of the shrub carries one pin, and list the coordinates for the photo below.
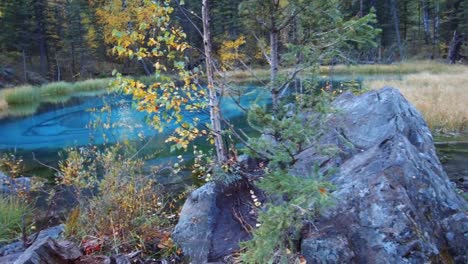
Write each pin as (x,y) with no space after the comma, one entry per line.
(126,211)
(11,165)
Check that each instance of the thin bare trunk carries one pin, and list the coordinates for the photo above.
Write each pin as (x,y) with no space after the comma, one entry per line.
(81,44)
(41,36)
(436,22)
(215,113)
(454,48)
(427,33)
(396,21)
(25,75)
(361,8)
(145,67)
(59,75)
(274,66)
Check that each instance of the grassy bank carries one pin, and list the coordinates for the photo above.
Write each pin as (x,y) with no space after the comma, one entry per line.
(410,67)
(442,98)
(3,107)
(24,100)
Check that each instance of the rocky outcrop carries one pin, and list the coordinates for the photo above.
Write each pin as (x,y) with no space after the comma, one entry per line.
(393,201)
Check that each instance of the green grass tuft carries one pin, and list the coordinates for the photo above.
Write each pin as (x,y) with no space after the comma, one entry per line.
(56,89)
(12,212)
(24,100)
(91,85)
(21,95)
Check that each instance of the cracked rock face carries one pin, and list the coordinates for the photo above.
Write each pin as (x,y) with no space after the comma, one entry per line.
(394,203)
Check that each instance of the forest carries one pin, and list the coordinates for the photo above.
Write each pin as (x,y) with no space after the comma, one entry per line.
(70,40)
(240,131)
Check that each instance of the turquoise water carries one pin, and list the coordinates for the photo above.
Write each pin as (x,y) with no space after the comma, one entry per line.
(58,127)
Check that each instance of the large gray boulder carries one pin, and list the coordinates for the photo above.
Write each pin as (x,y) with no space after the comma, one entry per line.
(393,201)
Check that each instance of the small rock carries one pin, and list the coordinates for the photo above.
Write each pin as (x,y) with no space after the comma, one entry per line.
(50,251)
(10,185)
(54,232)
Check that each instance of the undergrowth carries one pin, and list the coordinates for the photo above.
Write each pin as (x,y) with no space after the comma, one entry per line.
(120,209)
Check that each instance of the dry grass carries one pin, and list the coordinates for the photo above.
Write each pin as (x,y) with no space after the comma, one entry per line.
(409,67)
(441,98)
(3,107)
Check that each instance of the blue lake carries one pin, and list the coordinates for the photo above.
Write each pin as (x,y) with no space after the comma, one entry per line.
(56,127)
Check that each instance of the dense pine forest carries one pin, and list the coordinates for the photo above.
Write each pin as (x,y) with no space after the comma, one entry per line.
(70,40)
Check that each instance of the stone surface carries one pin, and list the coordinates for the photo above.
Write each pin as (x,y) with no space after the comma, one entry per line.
(114,259)
(10,185)
(54,232)
(35,78)
(213,221)
(50,251)
(394,203)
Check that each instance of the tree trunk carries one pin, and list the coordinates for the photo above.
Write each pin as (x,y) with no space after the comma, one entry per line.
(396,21)
(437,22)
(41,36)
(215,113)
(426,22)
(25,75)
(454,48)
(361,8)
(274,61)
(81,44)
(145,67)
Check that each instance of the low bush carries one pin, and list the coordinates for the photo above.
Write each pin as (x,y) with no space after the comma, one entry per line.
(125,213)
